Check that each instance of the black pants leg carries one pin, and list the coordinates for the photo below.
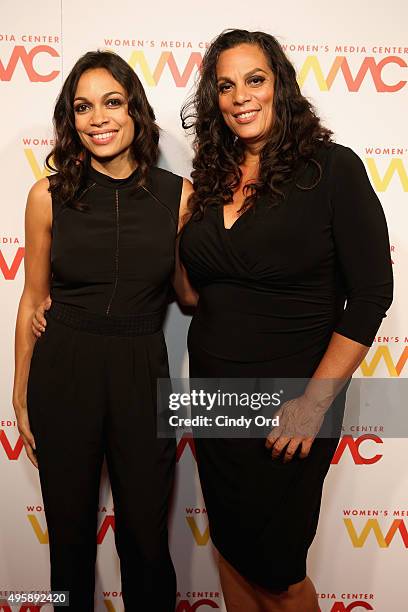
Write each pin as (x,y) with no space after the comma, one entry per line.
(66,407)
(141,469)
(91,395)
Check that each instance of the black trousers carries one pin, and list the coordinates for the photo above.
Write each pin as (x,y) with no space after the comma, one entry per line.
(91,396)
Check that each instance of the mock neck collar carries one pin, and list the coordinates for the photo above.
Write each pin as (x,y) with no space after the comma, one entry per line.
(109,182)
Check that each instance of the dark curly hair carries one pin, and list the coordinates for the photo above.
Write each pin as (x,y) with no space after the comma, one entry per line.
(69,158)
(294,136)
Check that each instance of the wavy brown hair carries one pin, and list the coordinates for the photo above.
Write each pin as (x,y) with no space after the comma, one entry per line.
(69,158)
(294,136)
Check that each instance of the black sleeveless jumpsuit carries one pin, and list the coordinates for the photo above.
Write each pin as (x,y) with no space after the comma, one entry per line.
(92,386)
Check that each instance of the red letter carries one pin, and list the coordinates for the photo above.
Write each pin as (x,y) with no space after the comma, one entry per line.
(108,521)
(12,453)
(28,62)
(379,83)
(10,273)
(354,446)
(186,440)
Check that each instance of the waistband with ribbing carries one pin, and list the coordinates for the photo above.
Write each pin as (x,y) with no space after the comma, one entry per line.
(95,323)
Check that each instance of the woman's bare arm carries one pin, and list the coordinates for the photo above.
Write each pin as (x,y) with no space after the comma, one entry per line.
(38,219)
(186,294)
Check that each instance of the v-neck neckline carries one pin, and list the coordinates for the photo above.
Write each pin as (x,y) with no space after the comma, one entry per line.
(222,218)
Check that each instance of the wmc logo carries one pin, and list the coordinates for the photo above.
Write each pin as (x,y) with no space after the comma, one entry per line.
(30,61)
(353,445)
(369,70)
(10,264)
(152,78)
(340,66)
(382,538)
(11,449)
(396,169)
(394,366)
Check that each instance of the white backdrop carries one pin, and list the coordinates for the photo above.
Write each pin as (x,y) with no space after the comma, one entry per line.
(352,61)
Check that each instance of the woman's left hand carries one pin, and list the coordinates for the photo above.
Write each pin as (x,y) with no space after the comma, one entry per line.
(299,423)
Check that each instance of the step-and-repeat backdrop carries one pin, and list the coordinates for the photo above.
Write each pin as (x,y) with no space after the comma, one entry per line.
(352,61)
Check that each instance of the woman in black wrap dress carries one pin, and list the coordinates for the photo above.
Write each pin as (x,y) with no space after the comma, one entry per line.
(294,276)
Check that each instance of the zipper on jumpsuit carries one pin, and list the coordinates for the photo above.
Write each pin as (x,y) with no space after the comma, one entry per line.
(115,284)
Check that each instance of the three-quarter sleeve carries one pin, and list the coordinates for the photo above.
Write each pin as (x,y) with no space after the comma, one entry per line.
(362,247)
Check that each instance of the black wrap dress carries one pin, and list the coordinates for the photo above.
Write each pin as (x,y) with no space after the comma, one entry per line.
(272,290)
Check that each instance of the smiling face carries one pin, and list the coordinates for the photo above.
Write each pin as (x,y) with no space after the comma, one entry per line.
(101,115)
(245,84)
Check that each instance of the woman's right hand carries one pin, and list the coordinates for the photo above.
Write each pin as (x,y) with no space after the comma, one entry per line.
(23,425)
(39,321)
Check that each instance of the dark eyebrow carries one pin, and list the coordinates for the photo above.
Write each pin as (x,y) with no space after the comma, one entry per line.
(251,72)
(104,95)
(248,74)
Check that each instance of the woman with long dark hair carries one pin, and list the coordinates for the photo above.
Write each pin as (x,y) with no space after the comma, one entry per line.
(280,250)
(100,238)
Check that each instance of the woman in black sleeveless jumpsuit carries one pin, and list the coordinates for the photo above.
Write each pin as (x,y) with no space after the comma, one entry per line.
(93,378)
(91,390)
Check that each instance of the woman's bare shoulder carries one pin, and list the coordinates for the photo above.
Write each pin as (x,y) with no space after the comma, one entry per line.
(39,202)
